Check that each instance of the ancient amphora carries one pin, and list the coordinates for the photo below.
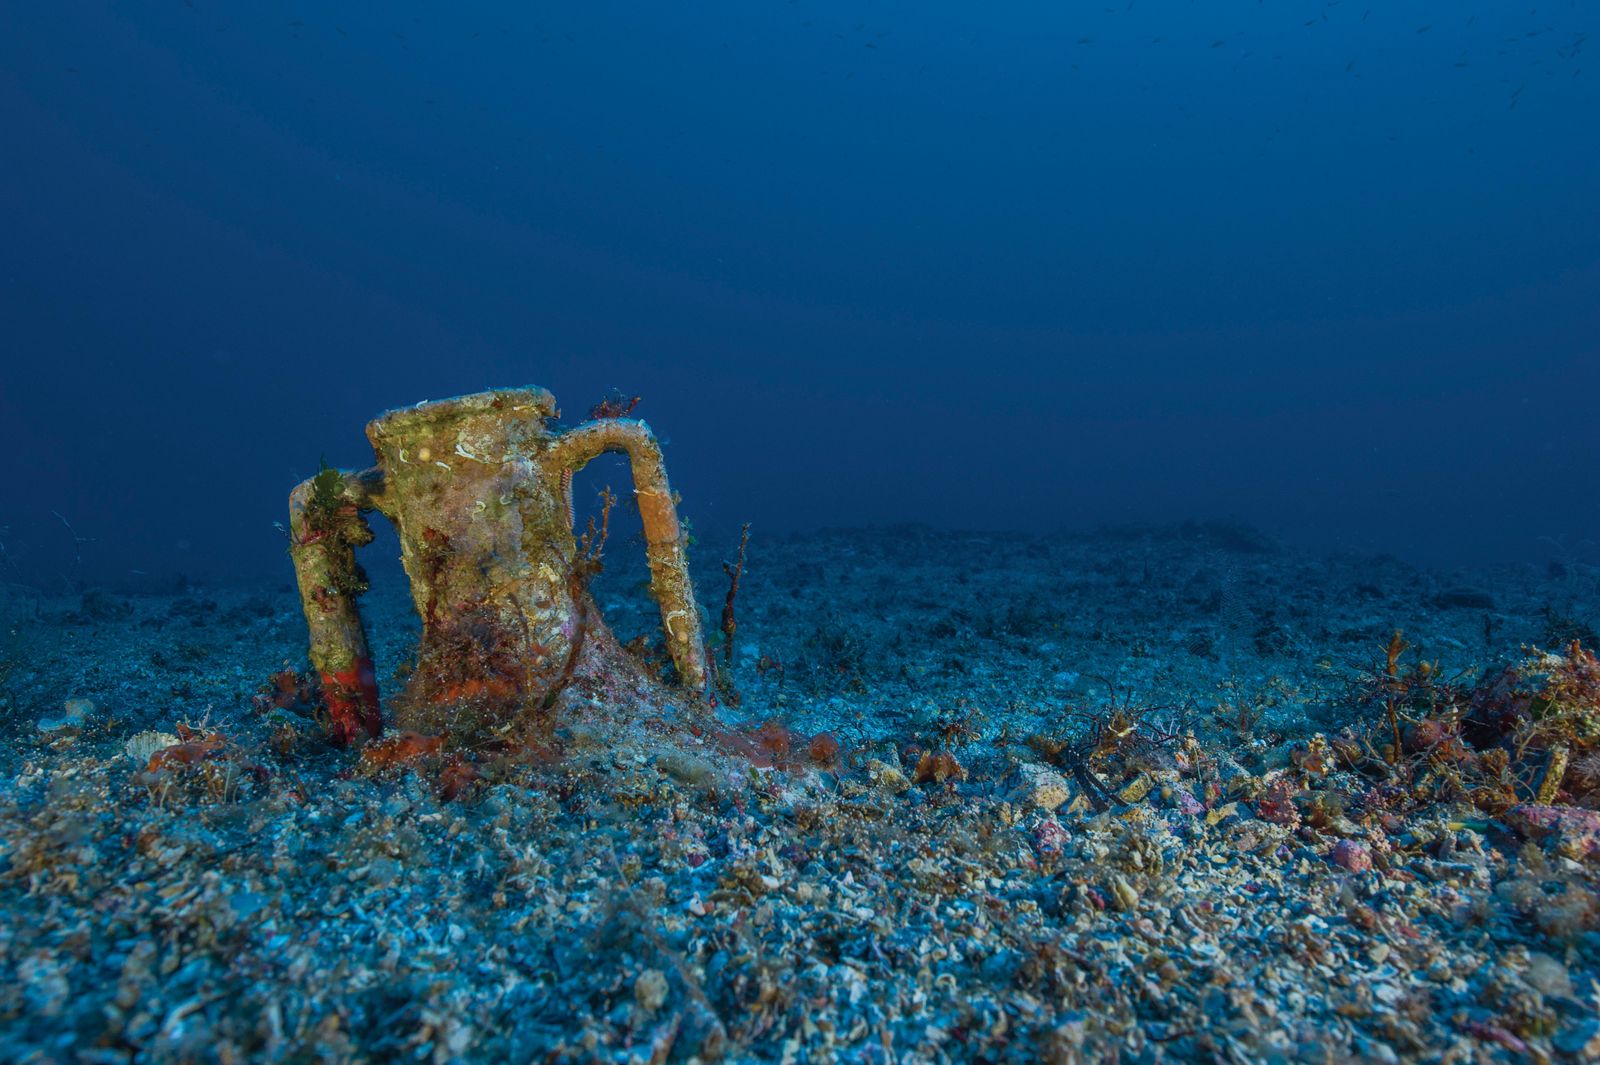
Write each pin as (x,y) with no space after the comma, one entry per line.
(479,489)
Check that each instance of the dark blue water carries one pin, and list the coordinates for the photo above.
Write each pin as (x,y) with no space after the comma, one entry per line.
(1332,268)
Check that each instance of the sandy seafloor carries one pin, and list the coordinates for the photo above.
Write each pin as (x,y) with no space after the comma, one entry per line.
(1247,896)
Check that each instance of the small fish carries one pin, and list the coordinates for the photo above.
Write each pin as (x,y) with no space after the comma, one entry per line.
(1216,44)
(1424,29)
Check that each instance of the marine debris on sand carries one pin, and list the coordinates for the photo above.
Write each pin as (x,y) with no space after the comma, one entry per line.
(1157,793)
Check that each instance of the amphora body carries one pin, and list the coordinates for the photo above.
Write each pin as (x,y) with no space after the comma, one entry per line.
(479,489)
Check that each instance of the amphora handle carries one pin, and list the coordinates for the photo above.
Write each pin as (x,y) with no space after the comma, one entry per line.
(574,449)
(326,525)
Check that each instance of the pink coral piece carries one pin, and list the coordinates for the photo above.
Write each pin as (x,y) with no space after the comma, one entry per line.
(1348,854)
(1049,836)
(1577,831)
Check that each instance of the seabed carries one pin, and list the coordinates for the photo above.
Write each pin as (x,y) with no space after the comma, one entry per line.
(1156,793)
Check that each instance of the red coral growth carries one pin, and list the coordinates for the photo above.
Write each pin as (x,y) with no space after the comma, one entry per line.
(614,405)
(823,750)
(351,696)
(474,658)
(407,748)
(286,689)
(207,761)
(937,767)
(1392,651)
(1277,805)
(455,775)
(741,744)
(775,746)
(459,777)
(775,741)
(192,747)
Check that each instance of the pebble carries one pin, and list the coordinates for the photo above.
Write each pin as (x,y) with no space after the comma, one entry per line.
(1039,786)
(1137,789)
(886,776)
(1348,854)
(650,990)
(1582,1041)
